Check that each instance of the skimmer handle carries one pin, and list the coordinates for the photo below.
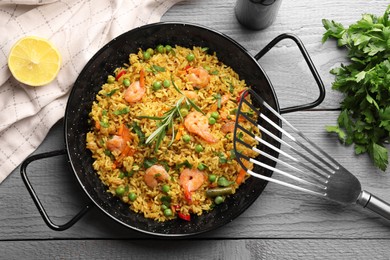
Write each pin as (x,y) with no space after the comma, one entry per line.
(367,200)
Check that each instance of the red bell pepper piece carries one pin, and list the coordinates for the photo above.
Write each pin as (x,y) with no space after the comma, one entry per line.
(186,217)
(238,99)
(120,74)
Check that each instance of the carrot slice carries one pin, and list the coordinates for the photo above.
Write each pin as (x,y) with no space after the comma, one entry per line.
(142,78)
(240,176)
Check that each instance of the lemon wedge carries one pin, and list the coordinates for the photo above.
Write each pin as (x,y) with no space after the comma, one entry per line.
(34,61)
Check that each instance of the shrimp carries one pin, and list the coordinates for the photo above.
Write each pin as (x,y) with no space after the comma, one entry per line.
(199,77)
(196,123)
(225,98)
(118,144)
(136,90)
(228,127)
(154,174)
(190,180)
(191,94)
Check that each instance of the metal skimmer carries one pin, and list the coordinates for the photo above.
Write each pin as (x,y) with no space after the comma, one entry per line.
(305,167)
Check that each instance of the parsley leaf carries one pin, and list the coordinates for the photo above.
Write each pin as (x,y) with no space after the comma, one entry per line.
(364,119)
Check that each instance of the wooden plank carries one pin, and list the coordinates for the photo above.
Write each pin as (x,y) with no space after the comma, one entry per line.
(278,213)
(284,65)
(198,249)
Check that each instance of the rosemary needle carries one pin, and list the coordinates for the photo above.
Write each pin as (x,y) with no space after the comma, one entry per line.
(168,118)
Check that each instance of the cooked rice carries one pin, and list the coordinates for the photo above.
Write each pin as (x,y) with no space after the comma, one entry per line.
(111,110)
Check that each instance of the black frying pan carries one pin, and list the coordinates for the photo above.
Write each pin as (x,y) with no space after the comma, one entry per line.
(95,73)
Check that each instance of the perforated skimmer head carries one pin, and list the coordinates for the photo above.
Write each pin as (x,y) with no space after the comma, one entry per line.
(302,165)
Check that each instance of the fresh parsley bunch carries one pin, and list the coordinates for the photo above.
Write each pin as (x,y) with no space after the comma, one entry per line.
(364,119)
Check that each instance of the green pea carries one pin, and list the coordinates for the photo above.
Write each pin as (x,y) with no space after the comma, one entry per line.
(168,48)
(212,120)
(150,51)
(132,196)
(184,111)
(219,199)
(164,207)
(165,188)
(214,114)
(121,175)
(212,177)
(110,79)
(160,48)
(157,85)
(166,83)
(201,167)
(146,55)
(198,148)
(168,212)
(126,82)
(190,57)
(186,138)
(120,191)
(223,182)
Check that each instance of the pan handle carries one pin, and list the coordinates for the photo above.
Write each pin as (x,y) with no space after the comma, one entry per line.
(34,196)
(309,63)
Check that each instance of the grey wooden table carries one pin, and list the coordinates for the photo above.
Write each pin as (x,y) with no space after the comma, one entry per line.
(281,224)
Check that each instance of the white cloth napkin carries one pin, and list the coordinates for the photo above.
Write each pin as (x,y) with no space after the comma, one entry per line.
(78,28)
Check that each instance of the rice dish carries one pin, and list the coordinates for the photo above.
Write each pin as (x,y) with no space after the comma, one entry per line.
(162,132)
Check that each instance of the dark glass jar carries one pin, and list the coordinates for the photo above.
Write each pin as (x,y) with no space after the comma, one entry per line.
(257,14)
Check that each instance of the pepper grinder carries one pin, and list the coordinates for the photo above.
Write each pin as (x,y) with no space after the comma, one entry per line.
(257,14)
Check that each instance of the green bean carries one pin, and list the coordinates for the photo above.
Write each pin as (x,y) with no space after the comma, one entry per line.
(214,192)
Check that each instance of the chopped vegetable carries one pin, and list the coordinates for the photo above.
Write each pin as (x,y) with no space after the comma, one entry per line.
(364,119)
(186,138)
(221,191)
(198,148)
(110,79)
(120,191)
(212,178)
(186,217)
(126,82)
(166,83)
(165,188)
(168,118)
(168,212)
(190,57)
(223,182)
(132,196)
(219,199)
(120,74)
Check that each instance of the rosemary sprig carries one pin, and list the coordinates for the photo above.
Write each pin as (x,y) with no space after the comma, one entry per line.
(167,120)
